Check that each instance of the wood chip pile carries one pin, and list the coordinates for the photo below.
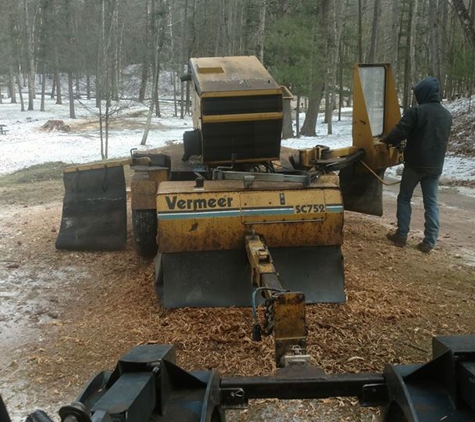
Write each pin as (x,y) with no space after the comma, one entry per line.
(397,300)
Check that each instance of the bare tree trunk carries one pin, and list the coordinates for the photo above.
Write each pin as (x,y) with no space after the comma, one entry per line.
(119,47)
(150,111)
(175,105)
(145,54)
(99,90)
(434,39)
(116,51)
(156,97)
(223,30)
(43,89)
(412,49)
(59,95)
(158,35)
(20,93)
(465,20)
(317,85)
(360,32)
(53,86)
(70,46)
(174,59)
(311,116)
(340,79)
(88,86)
(334,34)
(100,68)
(261,31)
(147,124)
(374,31)
(449,82)
(113,62)
(106,145)
(184,58)
(29,17)
(72,113)
(107,70)
(297,117)
(287,130)
(444,46)
(394,43)
(77,87)
(11,85)
(328,106)
(410,55)
(143,81)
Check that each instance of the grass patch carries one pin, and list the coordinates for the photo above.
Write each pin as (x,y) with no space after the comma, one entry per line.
(38,173)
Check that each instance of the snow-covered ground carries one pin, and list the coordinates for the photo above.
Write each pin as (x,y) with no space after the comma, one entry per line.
(26,144)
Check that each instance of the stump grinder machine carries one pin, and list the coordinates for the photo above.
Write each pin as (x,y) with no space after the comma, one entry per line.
(241,224)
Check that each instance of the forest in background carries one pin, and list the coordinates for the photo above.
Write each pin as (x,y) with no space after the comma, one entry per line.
(112,49)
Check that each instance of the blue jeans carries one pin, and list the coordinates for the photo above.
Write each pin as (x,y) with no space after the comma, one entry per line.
(429,185)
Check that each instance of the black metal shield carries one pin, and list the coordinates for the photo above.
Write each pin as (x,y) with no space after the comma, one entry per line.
(361,190)
(94,210)
(223,278)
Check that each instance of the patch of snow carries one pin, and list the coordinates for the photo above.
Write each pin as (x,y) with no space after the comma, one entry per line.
(25,144)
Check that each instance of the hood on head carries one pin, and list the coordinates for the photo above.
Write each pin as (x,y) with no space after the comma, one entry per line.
(427,90)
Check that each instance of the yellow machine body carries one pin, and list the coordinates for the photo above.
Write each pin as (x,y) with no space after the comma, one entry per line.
(219,215)
(202,232)
(144,185)
(375,113)
(237,111)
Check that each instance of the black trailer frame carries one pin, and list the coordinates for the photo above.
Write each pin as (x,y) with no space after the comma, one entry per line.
(147,385)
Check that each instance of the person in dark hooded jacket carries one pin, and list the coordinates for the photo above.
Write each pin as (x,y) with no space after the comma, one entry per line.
(426,129)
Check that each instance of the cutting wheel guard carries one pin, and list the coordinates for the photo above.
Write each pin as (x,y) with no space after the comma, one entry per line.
(181,282)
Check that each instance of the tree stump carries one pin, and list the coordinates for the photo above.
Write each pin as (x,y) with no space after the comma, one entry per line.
(56,126)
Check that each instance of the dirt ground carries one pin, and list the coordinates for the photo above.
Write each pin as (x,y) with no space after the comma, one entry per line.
(65,316)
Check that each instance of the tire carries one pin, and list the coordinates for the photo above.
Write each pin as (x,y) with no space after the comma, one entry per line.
(144,227)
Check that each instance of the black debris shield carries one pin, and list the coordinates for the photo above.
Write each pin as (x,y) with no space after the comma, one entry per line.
(362,191)
(316,271)
(94,210)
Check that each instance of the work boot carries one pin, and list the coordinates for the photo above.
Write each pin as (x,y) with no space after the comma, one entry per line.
(424,247)
(396,239)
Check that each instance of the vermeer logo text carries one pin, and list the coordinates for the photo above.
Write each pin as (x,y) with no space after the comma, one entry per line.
(197,204)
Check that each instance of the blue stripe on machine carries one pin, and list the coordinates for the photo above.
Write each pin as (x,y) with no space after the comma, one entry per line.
(201,214)
(334,208)
(267,211)
(224,213)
